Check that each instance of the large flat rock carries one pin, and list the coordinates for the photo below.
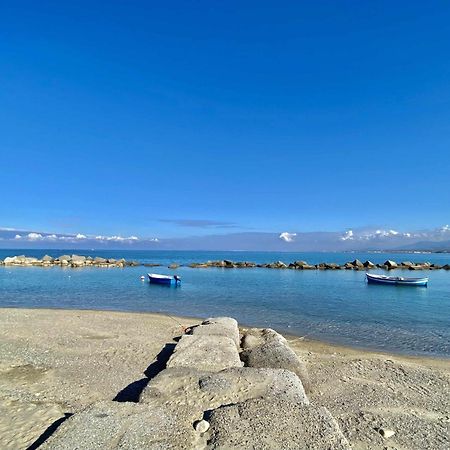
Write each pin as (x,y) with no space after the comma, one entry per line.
(125,426)
(205,352)
(197,392)
(170,407)
(219,326)
(273,424)
(267,348)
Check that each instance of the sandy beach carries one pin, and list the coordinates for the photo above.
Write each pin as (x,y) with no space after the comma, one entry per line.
(54,363)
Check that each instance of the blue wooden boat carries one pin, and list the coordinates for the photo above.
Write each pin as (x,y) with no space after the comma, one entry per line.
(399,281)
(168,280)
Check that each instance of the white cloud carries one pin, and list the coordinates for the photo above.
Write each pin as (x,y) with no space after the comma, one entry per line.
(66,238)
(116,238)
(80,236)
(384,233)
(367,235)
(34,236)
(287,237)
(348,236)
(17,236)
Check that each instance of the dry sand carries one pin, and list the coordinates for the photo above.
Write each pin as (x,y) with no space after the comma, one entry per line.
(56,362)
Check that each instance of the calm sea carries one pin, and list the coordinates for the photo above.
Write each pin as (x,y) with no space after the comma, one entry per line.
(334,306)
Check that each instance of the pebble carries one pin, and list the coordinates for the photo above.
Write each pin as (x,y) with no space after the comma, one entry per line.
(386,433)
(202,426)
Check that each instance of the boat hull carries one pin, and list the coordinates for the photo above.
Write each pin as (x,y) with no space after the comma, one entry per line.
(396,281)
(164,280)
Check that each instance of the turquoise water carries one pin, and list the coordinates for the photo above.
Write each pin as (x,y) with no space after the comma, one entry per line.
(335,306)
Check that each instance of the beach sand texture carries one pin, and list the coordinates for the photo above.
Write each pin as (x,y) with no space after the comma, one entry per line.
(55,363)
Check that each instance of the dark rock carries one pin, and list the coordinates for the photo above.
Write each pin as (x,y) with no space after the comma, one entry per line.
(136,263)
(198,266)
(357,263)
(391,264)
(300,263)
(416,267)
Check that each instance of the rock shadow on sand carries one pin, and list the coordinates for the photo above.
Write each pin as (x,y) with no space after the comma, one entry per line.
(48,432)
(132,392)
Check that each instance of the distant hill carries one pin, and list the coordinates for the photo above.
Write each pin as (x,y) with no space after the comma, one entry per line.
(423,246)
(362,239)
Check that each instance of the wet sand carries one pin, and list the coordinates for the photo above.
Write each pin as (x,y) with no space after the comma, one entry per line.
(55,362)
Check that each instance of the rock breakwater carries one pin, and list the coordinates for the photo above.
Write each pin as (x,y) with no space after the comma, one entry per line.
(209,397)
(77,261)
(67,261)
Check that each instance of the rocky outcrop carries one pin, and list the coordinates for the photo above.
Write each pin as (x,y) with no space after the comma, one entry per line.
(67,261)
(301,265)
(98,261)
(390,264)
(205,402)
(357,263)
(267,348)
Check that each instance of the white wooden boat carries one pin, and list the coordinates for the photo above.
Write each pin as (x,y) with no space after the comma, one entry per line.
(400,281)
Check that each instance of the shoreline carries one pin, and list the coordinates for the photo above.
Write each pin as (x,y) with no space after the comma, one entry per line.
(316,343)
(56,362)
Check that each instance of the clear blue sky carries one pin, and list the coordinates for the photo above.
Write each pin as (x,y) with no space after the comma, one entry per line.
(273,116)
